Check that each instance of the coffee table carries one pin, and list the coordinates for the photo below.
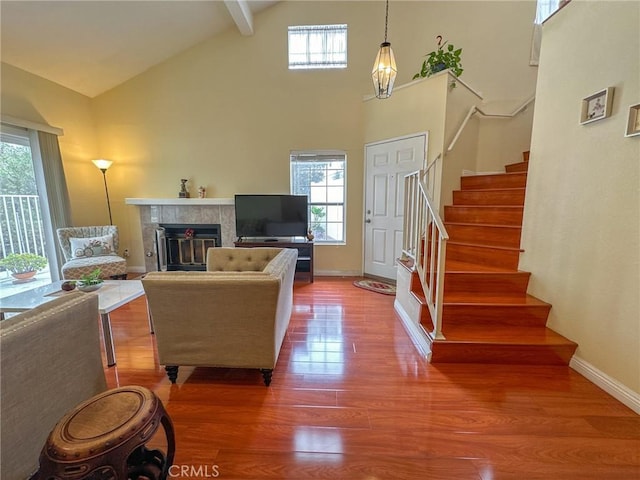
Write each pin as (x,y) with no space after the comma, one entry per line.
(113,294)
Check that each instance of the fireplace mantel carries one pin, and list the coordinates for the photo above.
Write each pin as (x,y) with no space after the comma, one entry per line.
(179,201)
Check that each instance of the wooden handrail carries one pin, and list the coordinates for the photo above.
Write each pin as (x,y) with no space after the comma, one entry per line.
(476,109)
(521,108)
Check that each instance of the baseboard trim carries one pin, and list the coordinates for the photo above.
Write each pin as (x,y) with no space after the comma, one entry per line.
(614,388)
(416,334)
(337,273)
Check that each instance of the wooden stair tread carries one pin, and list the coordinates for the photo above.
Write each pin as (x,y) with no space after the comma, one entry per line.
(495,189)
(488,300)
(517,164)
(482,245)
(497,174)
(484,234)
(483,298)
(491,225)
(487,207)
(494,180)
(507,335)
(451,265)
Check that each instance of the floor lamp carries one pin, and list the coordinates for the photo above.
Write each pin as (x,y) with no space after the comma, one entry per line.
(103,165)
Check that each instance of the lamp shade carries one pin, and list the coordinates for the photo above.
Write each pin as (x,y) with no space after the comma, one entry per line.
(102,164)
(384,71)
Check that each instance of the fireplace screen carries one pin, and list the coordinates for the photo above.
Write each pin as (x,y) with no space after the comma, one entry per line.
(184,247)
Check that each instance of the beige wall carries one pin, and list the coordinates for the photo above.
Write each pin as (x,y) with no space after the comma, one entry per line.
(35,99)
(581,224)
(226,113)
(502,141)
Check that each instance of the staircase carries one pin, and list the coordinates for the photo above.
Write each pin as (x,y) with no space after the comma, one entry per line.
(488,317)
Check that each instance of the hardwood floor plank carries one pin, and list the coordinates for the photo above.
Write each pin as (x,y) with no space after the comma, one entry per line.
(351,398)
(248,465)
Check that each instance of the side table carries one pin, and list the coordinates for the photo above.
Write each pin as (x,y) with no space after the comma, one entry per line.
(105,438)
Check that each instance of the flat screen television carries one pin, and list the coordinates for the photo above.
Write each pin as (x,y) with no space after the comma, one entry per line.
(271,215)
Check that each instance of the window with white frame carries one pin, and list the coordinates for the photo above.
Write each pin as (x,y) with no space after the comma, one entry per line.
(545,8)
(321,176)
(317,46)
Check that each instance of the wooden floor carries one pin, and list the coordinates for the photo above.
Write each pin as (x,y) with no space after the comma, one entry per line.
(352,399)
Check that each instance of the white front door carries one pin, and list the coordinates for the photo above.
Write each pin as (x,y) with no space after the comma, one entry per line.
(386,165)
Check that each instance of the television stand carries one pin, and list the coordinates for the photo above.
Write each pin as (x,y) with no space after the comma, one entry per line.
(304,265)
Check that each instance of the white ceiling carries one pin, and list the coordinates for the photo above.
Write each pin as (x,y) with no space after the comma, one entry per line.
(91,46)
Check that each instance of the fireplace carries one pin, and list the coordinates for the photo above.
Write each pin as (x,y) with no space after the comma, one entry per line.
(184,246)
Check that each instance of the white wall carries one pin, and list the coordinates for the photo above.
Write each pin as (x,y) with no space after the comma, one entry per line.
(581,230)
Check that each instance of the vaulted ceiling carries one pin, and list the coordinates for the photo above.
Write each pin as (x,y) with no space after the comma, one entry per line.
(91,46)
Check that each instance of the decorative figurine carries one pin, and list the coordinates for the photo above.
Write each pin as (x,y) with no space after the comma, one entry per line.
(310,235)
(202,192)
(184,193)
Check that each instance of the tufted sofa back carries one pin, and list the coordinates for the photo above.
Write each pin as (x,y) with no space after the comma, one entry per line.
(229,259)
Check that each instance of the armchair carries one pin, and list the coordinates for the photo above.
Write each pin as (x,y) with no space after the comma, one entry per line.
(235,314)
(88,248)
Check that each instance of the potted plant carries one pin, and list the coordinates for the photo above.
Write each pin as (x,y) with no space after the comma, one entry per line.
(23,265)
(441,59)
(90,281)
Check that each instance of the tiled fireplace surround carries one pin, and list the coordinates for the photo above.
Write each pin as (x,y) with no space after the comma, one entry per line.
(154,212)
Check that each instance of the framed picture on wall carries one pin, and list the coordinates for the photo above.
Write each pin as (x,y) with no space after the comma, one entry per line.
(633,123)
(596,106)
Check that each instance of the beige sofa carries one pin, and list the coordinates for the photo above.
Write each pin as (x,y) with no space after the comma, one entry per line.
(51,362)
(235,314)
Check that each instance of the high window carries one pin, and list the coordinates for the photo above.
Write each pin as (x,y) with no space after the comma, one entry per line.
(321,176)
(317,46)
(545,8)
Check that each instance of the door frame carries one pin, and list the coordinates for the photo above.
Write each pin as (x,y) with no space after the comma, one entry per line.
(424,133)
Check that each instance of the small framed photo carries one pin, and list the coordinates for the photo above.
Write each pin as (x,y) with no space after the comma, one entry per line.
(633,123)
(596,106)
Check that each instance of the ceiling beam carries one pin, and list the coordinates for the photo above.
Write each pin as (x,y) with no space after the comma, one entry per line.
(241,14)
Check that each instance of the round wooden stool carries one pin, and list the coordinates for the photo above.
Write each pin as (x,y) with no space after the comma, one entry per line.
(104,438)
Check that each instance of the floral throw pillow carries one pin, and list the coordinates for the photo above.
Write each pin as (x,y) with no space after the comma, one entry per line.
(91,246)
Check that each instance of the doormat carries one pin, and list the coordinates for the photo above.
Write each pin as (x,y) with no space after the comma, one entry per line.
(376,286)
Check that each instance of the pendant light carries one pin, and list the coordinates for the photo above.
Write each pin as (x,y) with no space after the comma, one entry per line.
(384,68)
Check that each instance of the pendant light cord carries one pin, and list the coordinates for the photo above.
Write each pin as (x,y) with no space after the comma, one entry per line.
(386,20)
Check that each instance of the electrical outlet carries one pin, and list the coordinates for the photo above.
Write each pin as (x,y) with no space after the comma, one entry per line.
(126,253)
